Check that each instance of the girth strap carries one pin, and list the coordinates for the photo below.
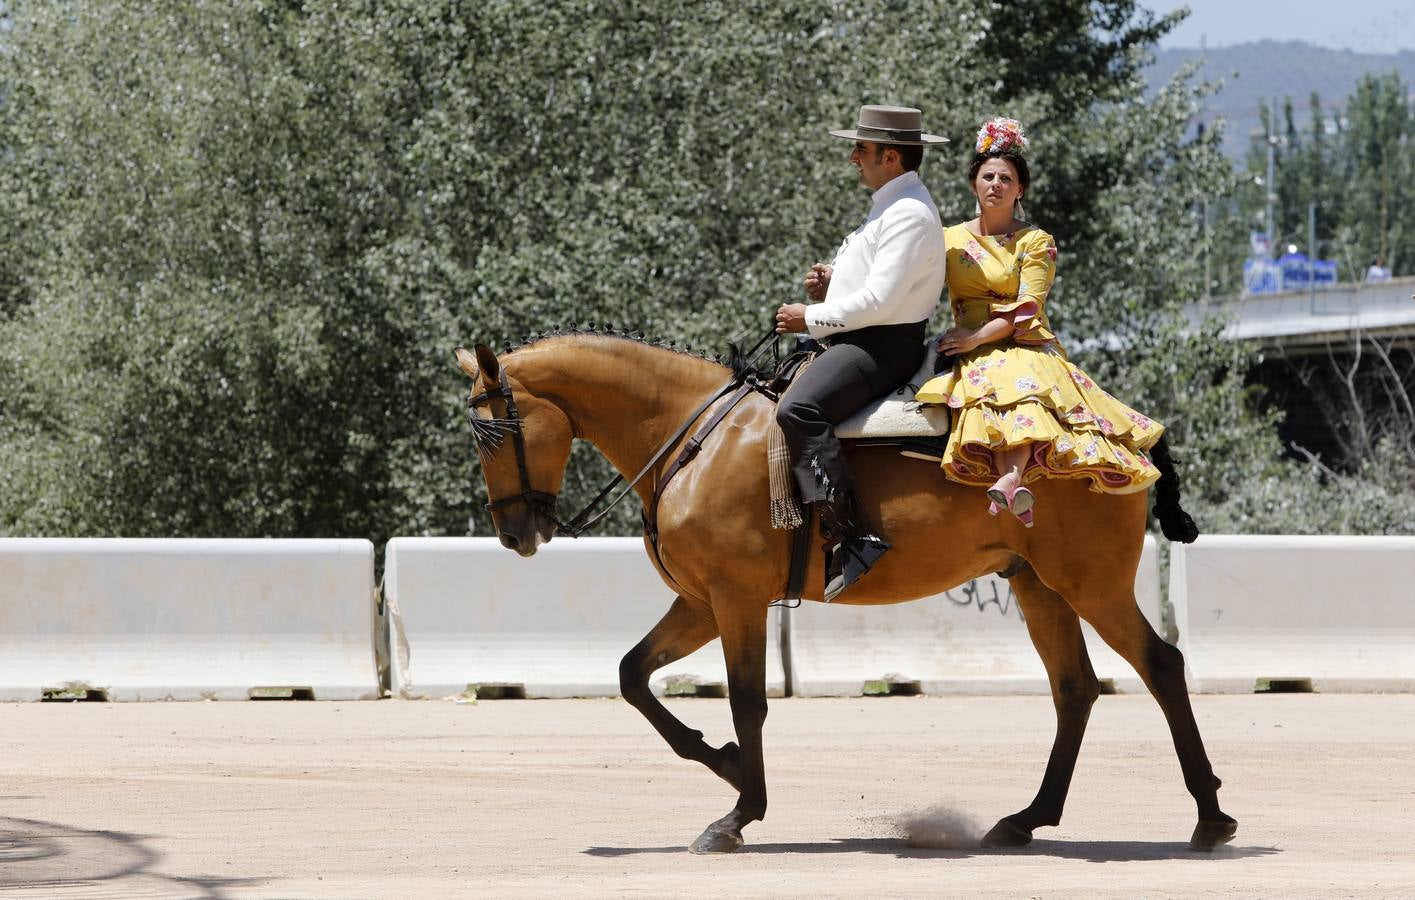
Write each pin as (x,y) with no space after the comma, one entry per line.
(685,456)
(695,443)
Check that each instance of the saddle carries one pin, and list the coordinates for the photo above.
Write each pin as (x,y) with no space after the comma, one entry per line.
(897,419)
(894,420)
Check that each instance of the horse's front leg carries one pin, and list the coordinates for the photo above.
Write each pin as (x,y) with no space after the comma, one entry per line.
(743,630)
(684,628)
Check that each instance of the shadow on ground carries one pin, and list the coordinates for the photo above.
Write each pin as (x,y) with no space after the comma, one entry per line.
(1088,851)
(44,859)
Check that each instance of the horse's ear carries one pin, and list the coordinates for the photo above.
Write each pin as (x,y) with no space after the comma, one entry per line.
(467,362)
(486,357)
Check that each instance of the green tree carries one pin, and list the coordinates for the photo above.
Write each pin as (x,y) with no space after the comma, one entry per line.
(241,239)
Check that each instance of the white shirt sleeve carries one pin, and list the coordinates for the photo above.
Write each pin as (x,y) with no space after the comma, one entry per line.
(904,249)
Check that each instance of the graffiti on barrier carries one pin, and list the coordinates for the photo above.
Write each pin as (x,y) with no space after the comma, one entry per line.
(982,593)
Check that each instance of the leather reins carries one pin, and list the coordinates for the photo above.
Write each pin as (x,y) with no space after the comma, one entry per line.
(545,503)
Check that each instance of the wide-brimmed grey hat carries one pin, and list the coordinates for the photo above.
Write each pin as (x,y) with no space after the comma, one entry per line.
(891,125)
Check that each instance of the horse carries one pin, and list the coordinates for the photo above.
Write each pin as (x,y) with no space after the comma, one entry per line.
(716,549)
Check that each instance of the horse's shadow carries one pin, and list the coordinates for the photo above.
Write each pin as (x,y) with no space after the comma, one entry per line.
(49,857)
(1088,851)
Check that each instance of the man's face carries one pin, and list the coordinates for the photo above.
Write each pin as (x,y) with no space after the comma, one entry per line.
(876,163)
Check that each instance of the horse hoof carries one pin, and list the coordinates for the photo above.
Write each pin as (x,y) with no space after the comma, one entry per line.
(1211,834)
(716,840)
(1007,834)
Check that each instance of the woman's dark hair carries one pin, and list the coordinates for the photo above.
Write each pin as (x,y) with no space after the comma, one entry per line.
(1019,162)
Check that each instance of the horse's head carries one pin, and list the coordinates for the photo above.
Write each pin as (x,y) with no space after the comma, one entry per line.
(524,444)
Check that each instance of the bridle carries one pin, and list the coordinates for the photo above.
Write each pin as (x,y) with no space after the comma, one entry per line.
(489,434)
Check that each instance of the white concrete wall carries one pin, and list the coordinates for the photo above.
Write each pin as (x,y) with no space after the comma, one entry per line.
(1337,610)
(186,619)
(970,640)
(189,619)
(557,623)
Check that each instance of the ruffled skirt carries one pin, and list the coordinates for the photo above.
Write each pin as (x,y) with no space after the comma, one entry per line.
(1008,395)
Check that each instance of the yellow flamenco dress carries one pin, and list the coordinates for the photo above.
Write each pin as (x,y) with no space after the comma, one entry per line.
(1023,390)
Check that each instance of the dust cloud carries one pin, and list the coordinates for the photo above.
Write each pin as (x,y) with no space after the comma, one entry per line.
(940,827)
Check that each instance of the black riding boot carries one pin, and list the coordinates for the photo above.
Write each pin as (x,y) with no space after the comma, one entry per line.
(851,548)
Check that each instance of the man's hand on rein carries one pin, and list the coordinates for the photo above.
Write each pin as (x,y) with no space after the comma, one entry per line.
(791,318)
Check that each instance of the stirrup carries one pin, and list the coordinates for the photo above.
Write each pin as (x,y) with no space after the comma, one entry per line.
(859,556)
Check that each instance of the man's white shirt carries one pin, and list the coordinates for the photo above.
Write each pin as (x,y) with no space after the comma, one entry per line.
(889,271)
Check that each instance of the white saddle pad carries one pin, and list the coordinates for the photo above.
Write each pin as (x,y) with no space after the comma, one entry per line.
(897,414)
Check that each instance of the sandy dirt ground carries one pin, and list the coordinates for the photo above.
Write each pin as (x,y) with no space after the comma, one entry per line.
(580,798)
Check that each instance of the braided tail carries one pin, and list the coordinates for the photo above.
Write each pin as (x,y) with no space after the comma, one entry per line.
(1174,521)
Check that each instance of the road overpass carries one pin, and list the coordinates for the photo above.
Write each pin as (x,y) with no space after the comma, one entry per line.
(1304,320)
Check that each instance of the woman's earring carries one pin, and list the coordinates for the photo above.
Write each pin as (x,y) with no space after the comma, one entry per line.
(1019,212)
(977,207)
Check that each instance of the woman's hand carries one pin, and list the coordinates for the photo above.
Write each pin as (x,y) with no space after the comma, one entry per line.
(817,281)
(957,340)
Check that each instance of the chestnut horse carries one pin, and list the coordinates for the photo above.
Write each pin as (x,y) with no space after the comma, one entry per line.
(719,553)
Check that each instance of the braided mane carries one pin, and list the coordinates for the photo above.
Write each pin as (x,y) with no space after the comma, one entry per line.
(607,330)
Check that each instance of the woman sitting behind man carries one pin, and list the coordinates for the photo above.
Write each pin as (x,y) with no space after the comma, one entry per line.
(1021,410)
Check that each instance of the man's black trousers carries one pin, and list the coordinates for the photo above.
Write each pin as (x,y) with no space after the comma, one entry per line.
(856,367)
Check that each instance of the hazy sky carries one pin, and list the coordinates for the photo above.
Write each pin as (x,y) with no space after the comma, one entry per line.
(1370,26)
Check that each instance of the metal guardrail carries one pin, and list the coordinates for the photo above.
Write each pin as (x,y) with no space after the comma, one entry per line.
(1314,318)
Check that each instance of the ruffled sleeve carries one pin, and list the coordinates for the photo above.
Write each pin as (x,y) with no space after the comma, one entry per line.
(1036,255)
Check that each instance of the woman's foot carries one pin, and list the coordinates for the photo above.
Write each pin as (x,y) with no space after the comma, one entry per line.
(1001,491)
(1008,492)
(1020,503)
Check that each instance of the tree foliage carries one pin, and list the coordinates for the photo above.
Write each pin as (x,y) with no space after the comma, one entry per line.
(241,240)
(1354,161)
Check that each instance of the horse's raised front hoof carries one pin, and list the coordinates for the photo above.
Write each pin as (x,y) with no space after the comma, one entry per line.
(1212,833)
(1007,834)
(729,766)
(717,839)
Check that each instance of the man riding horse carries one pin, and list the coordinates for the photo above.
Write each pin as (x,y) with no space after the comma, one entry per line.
(877,298)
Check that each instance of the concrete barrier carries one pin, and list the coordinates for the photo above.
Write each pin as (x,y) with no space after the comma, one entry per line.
(970,640)
(553,625)
(131,619)
(1322,613)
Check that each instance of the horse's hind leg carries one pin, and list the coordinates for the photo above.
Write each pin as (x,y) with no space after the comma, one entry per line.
(684,628)
(1056,633)
(1119,622)
(744,647)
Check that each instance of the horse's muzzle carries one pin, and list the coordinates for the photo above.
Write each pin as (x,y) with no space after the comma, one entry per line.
(523,546)
(527,533)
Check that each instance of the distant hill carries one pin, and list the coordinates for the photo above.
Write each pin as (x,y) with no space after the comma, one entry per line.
(1265,70)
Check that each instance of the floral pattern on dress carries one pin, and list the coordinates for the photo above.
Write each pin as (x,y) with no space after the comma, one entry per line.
(1077,430)
(978,378)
